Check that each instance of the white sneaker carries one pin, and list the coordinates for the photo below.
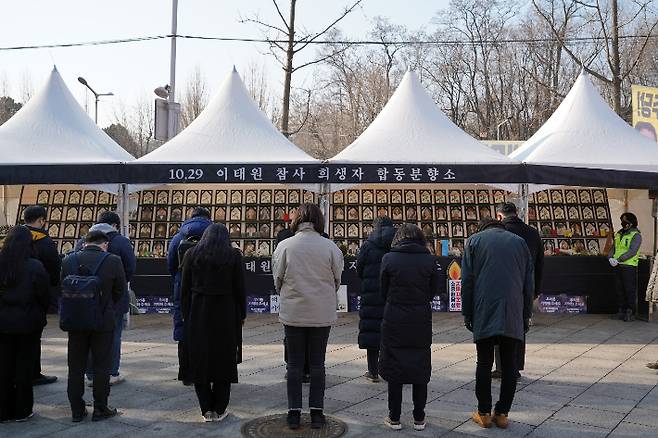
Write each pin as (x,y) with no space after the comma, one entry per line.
(115,380)
(220,417)
(209,417)
(419,425)
(395,425)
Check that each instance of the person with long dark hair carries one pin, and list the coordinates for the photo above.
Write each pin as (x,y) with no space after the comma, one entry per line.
(23,305)
(307,270)
(213,309)
(409,280)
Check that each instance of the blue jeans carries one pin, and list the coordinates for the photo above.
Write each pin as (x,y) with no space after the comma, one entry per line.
(115,354)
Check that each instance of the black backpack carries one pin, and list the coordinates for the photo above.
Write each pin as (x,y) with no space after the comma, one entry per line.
(80,307)
(185,244)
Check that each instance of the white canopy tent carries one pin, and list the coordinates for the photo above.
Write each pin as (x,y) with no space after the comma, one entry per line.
(412,129)
(52,129)
(585,142)
(232,130)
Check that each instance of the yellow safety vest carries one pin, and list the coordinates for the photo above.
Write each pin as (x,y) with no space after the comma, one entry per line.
(623,244)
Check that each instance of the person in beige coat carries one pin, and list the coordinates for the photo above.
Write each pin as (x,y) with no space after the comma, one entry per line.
(307,269)
(652,296)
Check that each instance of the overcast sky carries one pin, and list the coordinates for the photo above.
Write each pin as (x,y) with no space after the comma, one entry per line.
(133,70)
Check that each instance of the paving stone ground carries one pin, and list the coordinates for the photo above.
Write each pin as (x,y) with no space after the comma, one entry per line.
(584,377)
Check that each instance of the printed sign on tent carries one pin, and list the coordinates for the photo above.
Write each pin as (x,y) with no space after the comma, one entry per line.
(342,298)
(645,110)
(274,303)
(454,287)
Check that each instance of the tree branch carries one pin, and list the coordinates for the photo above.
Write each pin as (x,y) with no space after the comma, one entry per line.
(330,26)
(640,52)
(278,10)
(260,23)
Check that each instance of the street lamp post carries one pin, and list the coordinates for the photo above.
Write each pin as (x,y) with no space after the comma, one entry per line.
(507,120)
(96,96)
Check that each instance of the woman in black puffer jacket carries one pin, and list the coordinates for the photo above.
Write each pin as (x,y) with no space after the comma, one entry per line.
(23,305)
(372,303)
(409,281)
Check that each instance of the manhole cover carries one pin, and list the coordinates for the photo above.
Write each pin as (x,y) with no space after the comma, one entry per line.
(276,426)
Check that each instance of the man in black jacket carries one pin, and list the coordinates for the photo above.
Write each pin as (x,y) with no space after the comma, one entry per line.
(35,218)
(99,343)
(507,214)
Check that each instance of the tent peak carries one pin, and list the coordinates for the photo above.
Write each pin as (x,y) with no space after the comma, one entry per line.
(234,69)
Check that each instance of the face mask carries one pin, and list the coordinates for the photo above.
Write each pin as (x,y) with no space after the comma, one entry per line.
(625,224)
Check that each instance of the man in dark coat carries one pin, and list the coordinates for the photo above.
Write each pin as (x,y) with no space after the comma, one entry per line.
(98,343)
(409,281)
(35,218)
(368,265)
(507,214)
(109,223)
(191,230)
(497,294)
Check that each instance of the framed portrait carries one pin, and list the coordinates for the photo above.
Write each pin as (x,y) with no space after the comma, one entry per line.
(132,231)
(339,230)
(251,197)
(43,197)
(590,229)
(485,211)
(573,213)
(161,214)
(542,197)
(367,213)
(265,196)
(236,214)
(158,249)
(353,214)
(144,249)
(176,214)
(601,212)
(426,213)
(499,196)
(440,197)
(265,213)
(67,246)
(265,231)
(367,229)
(441,213)
(339,197)
(53,230)
(457,229)
(558,212)
(173,229)
(353,230)
(249,248)
(544,213)
(293,197)
(425,196)
(60,196)
(561,228)
(339,213)
(456,213)
(192,197)
(265,247)
(146,214)
(382,197)
(556,197)
(84,228)
(396,196)
(484,197)
(470,213)
(148,197)
(469,196)
(546,228)
(410,213)
(145,231)
(353,196)
(599,196)
(428,229)
(279,196)
(177,197)
(396,213)
(585,196)
(588,212)
(251,230)
(104,198)
(309,197)
(367,196)
(576,228)
(455,196)
(278,227)
(549,246)
(352,247)
(163,197)
(236,196)
(160,231)
(571,197)
(251,214)
(383,211)
(72,213)
(564,244)
(279,213)
(593,246)
(442,230)
(409,196)
(235,230)
(75,196)
(471,228)
(89,197)
(206,197)
(87,214)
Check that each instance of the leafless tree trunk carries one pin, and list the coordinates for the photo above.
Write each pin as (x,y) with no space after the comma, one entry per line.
(195,98)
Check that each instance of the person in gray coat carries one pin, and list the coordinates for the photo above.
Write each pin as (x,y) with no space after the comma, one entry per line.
(497,293)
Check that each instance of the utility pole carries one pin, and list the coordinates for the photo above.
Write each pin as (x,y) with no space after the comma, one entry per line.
(173,111)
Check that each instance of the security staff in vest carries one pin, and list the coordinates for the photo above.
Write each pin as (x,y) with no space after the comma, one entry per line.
(624,258)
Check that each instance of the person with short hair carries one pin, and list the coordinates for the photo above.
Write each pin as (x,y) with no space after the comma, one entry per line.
(99,342)
(188,234)
(507,214)
(45,250)
(214,309)
(409,280)
(371,312)
(624,257)
(307,271)
(497,294)
(23,305)
(109,223)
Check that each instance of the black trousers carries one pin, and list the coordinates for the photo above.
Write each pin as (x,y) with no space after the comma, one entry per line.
(418,394)
(301,340)
(16,362)
(79,346)
(213,397)
(626,287)
(373,361)
(36,356)
(285,358)
(183,361)
(485,357)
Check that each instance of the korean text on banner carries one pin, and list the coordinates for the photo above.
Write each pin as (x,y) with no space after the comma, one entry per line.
(645,110)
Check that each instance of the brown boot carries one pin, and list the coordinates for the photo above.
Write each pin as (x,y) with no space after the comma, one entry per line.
(484,420)
(500,420)
(653,365)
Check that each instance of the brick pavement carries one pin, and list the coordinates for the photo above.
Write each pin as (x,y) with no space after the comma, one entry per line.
(584,377)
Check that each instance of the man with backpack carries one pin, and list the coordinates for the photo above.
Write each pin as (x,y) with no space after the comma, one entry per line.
(109,223)
(93,283)
(188,235)
(45,250)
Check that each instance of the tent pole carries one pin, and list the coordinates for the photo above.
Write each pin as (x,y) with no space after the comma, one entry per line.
(523,191)
(325,191)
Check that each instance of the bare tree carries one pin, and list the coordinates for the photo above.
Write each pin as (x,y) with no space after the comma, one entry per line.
(139,120)
(195,97)
(255,79)
(604,60)
(295,41)
(27,88)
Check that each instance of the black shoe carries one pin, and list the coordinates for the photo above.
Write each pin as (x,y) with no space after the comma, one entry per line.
(496,374)
(518,375)
(621,314)
(44,380)
(81,416)
(306,378)
(188,383)
(317,419)
(103,413)
(294,419)
(628,316)
(286,376)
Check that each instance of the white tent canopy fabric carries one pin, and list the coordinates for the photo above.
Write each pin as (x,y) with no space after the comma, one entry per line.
(52,128)
(412,129)
(231,129)
(584,132)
